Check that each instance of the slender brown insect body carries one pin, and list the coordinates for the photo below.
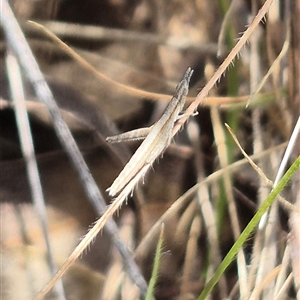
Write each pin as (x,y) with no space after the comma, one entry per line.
(156,141)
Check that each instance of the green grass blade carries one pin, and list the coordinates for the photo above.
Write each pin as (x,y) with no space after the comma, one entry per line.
(154,276)
(249,229)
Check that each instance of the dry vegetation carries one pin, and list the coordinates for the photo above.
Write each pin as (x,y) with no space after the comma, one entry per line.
(122,67)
